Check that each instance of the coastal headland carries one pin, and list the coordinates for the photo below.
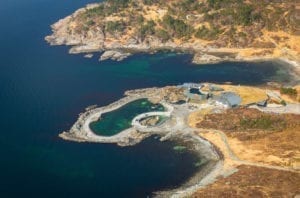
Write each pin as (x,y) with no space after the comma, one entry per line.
(194,115)
(117,29)
(240,132)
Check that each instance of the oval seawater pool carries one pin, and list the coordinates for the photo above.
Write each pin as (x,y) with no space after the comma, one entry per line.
(114,122)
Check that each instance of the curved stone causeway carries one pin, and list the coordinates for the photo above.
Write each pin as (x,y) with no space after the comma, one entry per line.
(82,132)
(136,121)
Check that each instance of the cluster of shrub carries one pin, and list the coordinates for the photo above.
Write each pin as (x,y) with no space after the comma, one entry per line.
(112,6)
(264,122)
(288,91)
(218,13)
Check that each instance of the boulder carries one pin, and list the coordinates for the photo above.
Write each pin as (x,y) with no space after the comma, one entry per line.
(114,55)
(205,59)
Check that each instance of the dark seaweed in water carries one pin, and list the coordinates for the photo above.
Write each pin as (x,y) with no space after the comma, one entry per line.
(195,91)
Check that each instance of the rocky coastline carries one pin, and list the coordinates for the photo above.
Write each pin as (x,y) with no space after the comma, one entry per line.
(174,129)
(115,47)
(177,127)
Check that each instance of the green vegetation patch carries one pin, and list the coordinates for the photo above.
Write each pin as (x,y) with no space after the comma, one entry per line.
(199,163)
(288,91)
(147,29)
(176,26)
(114,26)
(208,34)
(162,34)
(222,19)
(179,148)
(264,122)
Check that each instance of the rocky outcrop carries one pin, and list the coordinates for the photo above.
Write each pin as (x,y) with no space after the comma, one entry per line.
(88,56)
(201,58)
(114,55)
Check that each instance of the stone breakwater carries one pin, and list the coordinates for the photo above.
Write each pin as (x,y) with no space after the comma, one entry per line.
(174,128)
(81,131)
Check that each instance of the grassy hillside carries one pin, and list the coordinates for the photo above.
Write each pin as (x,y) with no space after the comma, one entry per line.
(234,23)
(244,29)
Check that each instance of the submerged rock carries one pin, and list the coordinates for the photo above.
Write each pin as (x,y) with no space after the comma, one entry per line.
(88,55)
(179,148)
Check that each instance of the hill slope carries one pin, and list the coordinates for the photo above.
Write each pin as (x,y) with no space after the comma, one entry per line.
(238,29)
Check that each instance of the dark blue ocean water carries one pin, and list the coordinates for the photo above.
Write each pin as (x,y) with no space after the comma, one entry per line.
(43,89)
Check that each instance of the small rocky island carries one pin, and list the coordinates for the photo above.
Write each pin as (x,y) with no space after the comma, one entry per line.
(207,118)
(212,30)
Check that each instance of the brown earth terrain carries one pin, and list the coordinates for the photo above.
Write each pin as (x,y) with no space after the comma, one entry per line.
(261,151)
(260,137)
(251,181)
(248,121)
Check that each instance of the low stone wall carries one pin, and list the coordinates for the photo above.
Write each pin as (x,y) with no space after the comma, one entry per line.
(81,131)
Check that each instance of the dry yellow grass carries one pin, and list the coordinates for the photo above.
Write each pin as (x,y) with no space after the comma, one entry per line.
(197,116)
(153,13)
(286,45)
(251,181)
(298,92)
(217,140)
(114,18)
(286,40)
(248,94)
(281,148)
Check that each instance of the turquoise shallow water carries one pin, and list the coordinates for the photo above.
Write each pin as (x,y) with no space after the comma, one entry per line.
(43,89)
(120,119)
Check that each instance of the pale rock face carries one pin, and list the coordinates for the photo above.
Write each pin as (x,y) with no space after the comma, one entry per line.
(92,5)
(88,56)
(205,58)
(85,48)
(132,41)
(114,55)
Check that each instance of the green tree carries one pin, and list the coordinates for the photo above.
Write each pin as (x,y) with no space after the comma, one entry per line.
(178,27)
(147,29)
(114,26)
(162,34)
